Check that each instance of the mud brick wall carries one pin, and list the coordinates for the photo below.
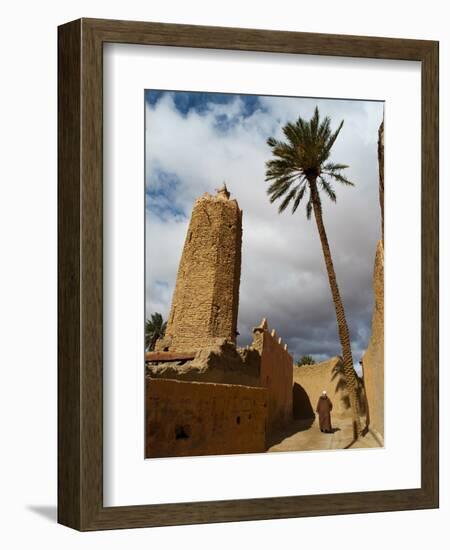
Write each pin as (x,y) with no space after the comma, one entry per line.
(206,297)
(196,418)
(276,374)
(373,360)
(311,380)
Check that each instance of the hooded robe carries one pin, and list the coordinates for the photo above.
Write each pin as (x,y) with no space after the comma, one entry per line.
(324,408)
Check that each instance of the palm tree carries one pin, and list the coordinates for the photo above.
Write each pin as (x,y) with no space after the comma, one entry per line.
(305,360)
(300,166)
(155,327)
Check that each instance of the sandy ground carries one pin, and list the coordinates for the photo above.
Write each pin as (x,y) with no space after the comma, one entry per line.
(305,435)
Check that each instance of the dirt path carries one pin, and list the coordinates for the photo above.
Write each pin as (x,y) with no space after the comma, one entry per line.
(304,435)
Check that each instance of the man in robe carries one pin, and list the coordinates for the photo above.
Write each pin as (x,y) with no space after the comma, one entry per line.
(324,408)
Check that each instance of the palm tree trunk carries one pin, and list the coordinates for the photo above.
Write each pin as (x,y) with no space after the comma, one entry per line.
(344,336)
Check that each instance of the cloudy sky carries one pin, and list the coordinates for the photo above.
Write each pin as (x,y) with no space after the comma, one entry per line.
(195,141)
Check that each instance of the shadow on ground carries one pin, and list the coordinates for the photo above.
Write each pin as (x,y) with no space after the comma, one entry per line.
(333,430)
(298,425)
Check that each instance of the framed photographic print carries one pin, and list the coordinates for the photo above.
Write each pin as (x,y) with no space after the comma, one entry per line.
(248,274)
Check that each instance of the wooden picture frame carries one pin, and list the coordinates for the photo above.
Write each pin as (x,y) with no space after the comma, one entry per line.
(80,271)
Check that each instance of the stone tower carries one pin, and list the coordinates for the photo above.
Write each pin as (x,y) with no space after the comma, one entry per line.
(206,297)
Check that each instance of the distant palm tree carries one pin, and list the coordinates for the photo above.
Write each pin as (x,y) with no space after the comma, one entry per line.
(155,328)
(305,360)
(300,166)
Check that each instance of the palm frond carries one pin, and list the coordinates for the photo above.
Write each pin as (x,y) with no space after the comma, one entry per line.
(299,197)
(309,208)
(155,328)
(327,187)
(329,143)
(331,167)
(287,200)
(294,134)
(314,123)
(272,142)
(339,178)
(278,189)
(324,129)
(280,169)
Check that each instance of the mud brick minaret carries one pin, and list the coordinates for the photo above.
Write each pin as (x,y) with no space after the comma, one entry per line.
(206,297)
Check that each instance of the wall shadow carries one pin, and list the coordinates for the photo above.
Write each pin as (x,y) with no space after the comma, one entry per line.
(302,407)
(303,417)
(295,426)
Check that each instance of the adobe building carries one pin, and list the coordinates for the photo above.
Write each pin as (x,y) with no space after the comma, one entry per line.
(206,298)
(200,418)
(373,360)
(205,395)
(311,380)
(275,374)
